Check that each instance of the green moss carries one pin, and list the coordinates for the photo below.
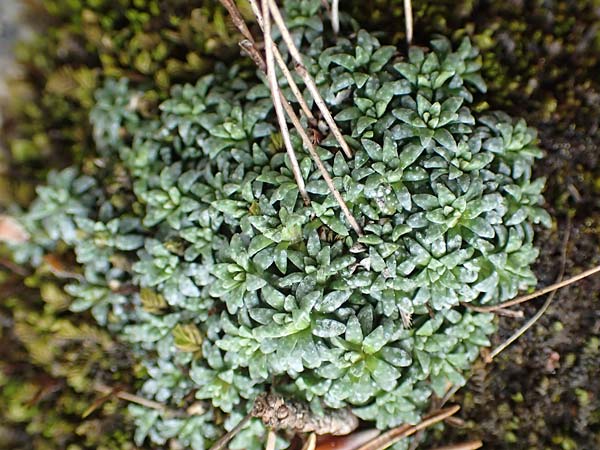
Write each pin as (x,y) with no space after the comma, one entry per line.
(155,44)
(50,364)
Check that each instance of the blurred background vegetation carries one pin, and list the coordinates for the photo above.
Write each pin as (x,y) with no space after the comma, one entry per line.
(541,61)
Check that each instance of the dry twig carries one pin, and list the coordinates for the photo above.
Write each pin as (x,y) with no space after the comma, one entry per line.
(394,435)
(277,412)
(282,65)
(455,422)
(317,159)
(510,313)
(310,84)
(237,19)
(471,445)
(536,294)
(408,21)
(335,16)
(277,102)
(15,268)
(224,440)
(453,389)
(97,404)
(517,334)
(436,405)
(250,48)
(249,45)
(311,442)
(271,440)
(132,398)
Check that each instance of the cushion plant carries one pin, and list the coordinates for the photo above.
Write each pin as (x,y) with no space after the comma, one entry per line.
(196,246)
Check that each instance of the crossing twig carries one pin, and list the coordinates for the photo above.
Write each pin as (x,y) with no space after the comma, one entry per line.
(132,398)
(308,81)
(471,445)
(394,435)
(277,102)
(335,16)
(271,440)
(517,334)
(282,65)
(250,45)
(536,294)
(224,440)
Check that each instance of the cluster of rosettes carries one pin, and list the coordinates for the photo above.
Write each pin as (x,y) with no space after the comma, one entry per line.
(243,286)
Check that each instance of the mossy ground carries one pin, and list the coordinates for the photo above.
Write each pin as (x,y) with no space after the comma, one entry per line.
(542,62)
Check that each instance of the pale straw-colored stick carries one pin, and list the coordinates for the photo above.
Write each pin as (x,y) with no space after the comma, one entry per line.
(282,65)
(276,95)
(310,84)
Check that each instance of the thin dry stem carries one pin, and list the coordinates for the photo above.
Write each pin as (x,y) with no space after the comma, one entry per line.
(254,54)
(544,307)
(310,84)
(96,404)
(271,440)
(471,445)
(436,405)
(455,422)
(536,294)
(335,16)
(132,398)
(453,389)
(389,438)
(311,442)
(15,268)
(408,21)
(293,86)
(224,440)
(315,156)
(256,10)
(249,46)
(237,19)
(510,313)
(277,102)
(283,66)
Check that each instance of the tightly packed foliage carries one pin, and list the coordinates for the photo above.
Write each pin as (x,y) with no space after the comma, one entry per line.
(207,260)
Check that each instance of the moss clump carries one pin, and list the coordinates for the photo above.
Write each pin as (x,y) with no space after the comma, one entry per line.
(155,44)
(49,366)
